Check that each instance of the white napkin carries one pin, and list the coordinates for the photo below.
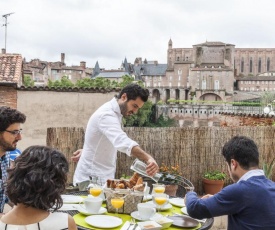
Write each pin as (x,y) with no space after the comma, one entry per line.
(67,207)
(127,224)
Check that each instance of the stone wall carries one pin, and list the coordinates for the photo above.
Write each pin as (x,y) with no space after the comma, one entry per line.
(46,109)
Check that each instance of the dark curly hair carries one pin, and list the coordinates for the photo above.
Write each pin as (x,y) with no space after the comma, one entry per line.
(38,178)
(242,149)
(133,91)
(9,116)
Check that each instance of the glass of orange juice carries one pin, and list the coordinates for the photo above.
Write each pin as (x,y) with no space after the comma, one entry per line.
(95,191)
(117,202)
(160,199)
(158,188)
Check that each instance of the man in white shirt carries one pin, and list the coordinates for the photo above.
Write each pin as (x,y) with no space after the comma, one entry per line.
(104,137)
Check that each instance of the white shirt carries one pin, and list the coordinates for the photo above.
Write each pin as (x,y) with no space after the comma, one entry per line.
(103,138)
(55,221)
(251,173)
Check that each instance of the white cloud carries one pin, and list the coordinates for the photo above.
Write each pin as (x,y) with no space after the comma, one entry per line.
(110,30)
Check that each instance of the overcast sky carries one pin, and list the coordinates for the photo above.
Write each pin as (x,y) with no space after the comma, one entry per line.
(107,31)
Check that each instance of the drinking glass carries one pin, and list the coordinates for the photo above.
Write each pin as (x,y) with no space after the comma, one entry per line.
(158,188)
(160,199)
(95,186)
(117,202)
(95,190)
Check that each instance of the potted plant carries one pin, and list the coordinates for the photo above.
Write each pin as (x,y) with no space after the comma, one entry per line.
(213,181)
(170,177)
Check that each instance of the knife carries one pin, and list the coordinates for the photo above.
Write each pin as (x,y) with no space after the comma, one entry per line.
(135,226)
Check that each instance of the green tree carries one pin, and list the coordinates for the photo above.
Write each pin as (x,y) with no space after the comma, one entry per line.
(66,82)
(28,81)
(268,98)
(142,118)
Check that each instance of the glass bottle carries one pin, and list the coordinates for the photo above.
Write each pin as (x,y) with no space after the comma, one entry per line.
(140,167)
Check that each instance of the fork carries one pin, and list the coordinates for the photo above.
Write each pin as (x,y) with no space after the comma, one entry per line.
(132,222)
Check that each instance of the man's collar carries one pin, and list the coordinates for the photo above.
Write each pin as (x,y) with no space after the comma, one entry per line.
(251,173)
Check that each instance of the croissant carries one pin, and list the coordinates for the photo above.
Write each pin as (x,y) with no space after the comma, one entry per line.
(139,187)
(120,186)
(139,181)
(133,180)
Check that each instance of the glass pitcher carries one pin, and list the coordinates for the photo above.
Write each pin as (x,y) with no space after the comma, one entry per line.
(140,167)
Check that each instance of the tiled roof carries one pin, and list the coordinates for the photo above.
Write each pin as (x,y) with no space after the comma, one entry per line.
(213,44)
(10,68)
(150,69)
(112,74)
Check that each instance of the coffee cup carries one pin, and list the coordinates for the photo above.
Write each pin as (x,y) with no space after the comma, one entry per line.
(93,204)
(146,211)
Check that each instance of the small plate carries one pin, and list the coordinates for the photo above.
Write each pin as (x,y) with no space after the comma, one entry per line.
(184,221)
(147,197)
(83,211)
(163,208)
(150,225)
(103,221)
(177,202)
(184,210)
(136,215)
(71,199)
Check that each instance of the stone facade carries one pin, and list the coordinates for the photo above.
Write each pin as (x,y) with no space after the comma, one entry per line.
(42,71)
(207,72)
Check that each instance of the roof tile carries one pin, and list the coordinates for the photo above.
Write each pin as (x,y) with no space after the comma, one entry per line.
(10,68)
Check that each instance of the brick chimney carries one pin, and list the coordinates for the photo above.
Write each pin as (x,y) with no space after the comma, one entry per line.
(83,64)
(63,57)
(3,51)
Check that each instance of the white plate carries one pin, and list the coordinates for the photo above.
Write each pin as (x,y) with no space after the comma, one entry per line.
(71,199)
(136,215)
(184,210)
(103,221)
(177,202)
(83,211)
(147,197)
(163,208)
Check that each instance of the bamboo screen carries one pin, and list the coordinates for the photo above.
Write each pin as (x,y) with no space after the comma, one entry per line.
(195,150)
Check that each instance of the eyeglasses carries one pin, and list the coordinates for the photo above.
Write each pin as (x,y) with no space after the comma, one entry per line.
(14,132)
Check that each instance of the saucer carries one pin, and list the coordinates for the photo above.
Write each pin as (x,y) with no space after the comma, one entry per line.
(163,208)
(83,211)
(136,216)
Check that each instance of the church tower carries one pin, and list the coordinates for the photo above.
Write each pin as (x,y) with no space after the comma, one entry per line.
(169,54)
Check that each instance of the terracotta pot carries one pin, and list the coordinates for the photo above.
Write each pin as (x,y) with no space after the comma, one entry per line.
(212,186)
(171,189)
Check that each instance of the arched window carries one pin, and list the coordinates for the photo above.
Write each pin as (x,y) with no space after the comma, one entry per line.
(250,65)
(178,58)
(242,65)
(203,84)
(217,85)
(268,64)
(260,65)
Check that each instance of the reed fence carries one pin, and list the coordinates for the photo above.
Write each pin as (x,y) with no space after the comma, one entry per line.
(195,150)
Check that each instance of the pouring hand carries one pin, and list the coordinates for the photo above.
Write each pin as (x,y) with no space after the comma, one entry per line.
(152,167)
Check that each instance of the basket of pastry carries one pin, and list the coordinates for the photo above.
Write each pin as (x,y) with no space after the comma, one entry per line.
(131,191)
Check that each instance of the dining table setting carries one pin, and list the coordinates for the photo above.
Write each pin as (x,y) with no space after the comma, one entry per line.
(130,204)
(171,215)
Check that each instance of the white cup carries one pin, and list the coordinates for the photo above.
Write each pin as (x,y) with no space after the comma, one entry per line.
(93,204)
(146,210)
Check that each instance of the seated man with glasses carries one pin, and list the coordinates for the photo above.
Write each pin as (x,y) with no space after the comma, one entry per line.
(10,134)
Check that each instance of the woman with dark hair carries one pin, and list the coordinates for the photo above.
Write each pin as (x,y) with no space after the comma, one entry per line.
(35,185)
